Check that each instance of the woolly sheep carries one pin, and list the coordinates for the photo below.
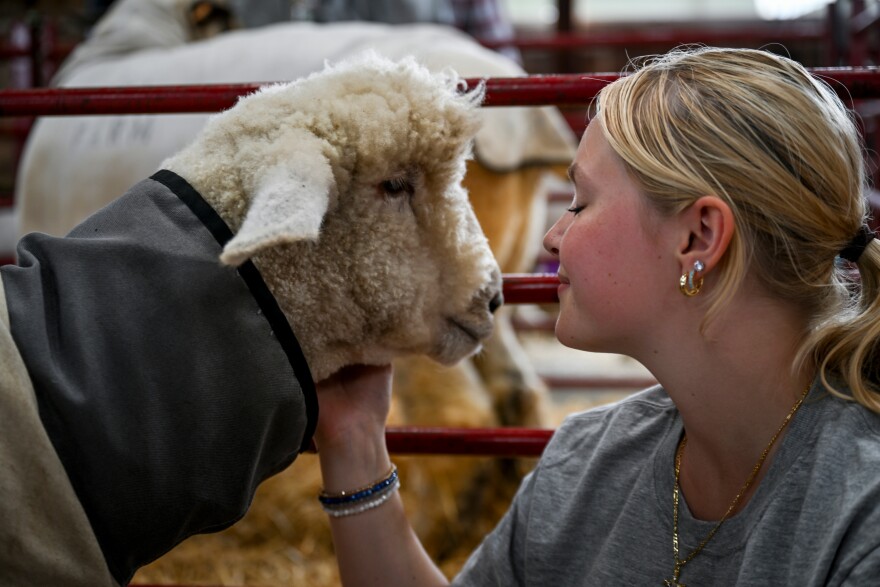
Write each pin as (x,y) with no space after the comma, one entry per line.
(370,155)
(344,190)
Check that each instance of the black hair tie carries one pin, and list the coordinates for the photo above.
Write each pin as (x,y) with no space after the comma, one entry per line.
(852,251)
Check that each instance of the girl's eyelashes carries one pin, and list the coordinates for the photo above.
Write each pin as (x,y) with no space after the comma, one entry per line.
(576,209)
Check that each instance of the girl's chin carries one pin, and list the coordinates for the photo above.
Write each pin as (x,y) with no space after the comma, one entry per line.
(576,340)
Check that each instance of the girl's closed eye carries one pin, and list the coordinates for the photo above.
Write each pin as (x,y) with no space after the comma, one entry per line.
(576,209)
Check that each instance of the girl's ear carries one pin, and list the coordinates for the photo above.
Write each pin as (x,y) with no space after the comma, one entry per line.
(707,227)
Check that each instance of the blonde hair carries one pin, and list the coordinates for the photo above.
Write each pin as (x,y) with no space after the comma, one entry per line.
(781,149)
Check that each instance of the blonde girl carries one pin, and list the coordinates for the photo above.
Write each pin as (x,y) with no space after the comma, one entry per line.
(718,234)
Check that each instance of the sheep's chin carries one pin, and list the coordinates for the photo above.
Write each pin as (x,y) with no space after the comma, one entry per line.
(460,340)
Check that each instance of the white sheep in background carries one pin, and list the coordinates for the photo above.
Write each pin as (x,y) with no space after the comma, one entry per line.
(344,189)
(91,159)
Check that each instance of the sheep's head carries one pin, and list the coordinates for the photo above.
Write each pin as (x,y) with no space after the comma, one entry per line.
(356,215)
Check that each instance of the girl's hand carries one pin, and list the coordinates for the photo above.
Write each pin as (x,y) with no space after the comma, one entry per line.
(353,407)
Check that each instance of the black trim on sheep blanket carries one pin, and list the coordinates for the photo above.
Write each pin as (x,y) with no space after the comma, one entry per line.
(251,276)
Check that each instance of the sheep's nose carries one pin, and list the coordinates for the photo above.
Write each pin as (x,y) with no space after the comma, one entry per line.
(496,302)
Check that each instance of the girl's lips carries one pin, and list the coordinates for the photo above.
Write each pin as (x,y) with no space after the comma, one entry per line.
(563,284)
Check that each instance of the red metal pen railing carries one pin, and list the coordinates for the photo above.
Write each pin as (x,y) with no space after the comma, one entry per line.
(522,91)
(497,442)
(472,442)
(668,36)
(530,288)
(534,90)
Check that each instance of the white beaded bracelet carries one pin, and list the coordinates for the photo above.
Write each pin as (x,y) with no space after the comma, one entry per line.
(358,508)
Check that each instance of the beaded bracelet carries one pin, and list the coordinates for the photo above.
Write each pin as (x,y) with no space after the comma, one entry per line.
(350,502)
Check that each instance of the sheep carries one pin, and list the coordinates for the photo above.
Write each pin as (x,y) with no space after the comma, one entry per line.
(341,193)
(275,167)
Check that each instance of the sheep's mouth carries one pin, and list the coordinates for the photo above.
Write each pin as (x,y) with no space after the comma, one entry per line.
(473,333)
(460,339)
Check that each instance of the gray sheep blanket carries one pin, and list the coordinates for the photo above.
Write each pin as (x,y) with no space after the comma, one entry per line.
(148,262)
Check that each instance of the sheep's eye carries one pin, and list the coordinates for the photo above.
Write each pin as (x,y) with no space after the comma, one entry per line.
(397,187)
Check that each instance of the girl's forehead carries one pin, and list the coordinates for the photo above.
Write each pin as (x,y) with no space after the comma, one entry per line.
(595,155)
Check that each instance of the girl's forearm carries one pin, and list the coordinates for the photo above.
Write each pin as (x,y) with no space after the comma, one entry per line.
(377,546)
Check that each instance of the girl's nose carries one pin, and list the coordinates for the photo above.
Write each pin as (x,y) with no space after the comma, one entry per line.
(551,239)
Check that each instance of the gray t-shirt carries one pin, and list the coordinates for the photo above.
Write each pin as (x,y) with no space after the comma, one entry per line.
(597,509)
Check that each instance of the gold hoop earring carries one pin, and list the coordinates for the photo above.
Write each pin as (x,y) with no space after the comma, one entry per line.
(689,284)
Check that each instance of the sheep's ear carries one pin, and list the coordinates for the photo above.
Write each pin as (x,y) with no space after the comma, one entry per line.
(288,205)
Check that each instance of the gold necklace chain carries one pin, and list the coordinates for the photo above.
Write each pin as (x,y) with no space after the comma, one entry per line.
(679,563)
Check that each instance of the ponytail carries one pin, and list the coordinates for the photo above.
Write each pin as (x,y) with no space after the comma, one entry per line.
(846,347)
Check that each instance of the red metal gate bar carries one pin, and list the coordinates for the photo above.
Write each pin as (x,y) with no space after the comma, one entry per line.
(562,40)
(539,288)
(523,91)
(586,39)
(498,442)
(533,90)
(530,288)
(560,383)
(806,32)
(518,288)
(122,100)
(472,442)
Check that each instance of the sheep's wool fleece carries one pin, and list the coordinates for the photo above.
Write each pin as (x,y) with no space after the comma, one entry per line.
(168,386)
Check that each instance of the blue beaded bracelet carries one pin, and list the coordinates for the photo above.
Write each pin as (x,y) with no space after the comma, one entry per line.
(347,503)
(359,494)
(358,507)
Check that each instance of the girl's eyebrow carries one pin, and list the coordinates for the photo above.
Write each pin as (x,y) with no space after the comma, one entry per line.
(575,170)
